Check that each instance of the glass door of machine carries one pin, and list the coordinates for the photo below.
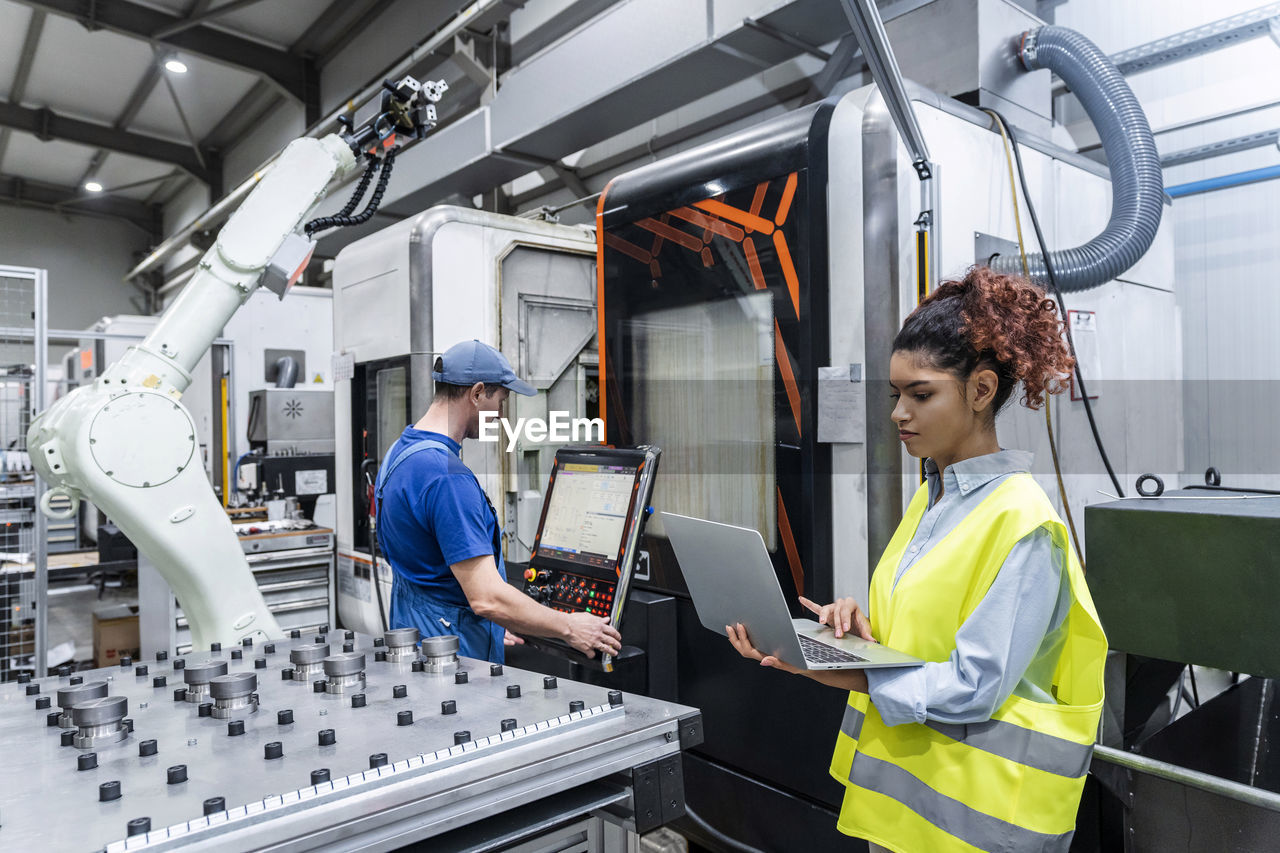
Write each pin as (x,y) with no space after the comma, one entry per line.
(382,408)
(713,303)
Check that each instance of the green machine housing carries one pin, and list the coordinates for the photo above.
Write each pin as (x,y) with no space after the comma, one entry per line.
(1191,576)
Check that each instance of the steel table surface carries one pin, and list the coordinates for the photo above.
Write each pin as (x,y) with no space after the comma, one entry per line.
(429,785)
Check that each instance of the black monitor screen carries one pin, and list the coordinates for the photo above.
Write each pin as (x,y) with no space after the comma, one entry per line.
(586,514)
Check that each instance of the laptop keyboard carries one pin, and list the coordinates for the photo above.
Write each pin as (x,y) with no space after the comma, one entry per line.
(817,652)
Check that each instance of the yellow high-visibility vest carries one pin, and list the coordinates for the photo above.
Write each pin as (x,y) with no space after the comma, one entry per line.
(1012,783)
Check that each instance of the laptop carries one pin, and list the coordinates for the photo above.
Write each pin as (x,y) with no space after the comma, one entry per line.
(732,580)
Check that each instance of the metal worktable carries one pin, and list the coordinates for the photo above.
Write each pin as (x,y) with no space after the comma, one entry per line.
(618,755)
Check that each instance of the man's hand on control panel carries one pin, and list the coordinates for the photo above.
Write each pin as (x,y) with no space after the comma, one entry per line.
(590,634)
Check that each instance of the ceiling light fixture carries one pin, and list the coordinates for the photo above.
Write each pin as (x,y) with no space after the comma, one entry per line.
(177,66)
(93,186)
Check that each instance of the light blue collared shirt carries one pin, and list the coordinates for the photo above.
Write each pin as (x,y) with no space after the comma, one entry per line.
(1011,642)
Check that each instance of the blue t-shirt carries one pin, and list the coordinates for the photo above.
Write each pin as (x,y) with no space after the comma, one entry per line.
(434,514)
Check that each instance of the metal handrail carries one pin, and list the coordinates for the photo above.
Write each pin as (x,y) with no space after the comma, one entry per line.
(1191,778)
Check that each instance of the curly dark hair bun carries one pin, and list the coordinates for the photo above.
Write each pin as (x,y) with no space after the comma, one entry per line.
(989,319)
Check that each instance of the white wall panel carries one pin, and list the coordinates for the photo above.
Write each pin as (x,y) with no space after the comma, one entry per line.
(1226,250)
(86,258)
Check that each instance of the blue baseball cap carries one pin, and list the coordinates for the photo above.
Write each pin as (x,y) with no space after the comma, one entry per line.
(471,361)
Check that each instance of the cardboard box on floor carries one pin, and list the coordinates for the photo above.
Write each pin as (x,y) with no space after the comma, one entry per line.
(115,633)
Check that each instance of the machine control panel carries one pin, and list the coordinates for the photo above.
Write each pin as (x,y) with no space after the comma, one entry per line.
(596,503)
(571,593)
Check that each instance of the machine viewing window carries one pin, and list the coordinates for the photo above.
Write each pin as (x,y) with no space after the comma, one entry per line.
(708,364)
(392,402)
(380,408)
(706,342)
(586,515)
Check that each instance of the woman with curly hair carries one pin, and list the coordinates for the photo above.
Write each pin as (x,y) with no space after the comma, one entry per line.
(987,745)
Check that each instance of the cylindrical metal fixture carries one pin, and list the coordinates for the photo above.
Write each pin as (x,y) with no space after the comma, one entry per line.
(68,697)
(440,654)
(197,678)
(233,695)
(308,660)
(401,644)
(99,721)
(345,672)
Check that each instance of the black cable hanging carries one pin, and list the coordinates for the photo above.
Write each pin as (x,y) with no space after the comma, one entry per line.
(1062,305)
(365,180)
(343,218)
(327,221)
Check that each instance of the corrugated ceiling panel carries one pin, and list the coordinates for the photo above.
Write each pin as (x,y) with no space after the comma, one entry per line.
(174,7)
(84,74)
(14,20)
(54,162)
(117,170)
(208,91)
(158,117)
(279,22)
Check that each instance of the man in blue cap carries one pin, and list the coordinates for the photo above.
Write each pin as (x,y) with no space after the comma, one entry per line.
(440,533)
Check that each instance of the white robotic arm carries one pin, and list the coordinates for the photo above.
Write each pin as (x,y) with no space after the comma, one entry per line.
(128,444)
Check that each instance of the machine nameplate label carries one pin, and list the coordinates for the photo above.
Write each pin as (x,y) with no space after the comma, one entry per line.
(842,405)
(349,584)
(311,482)
(344,366)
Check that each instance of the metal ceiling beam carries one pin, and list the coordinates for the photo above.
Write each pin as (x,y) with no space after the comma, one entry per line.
(367,14)
(141,22)
(628,84)
(256,104)
(25,59)
(1218,149)
(142,91)
(571,179)
(657,145)
(1194,42)
(562,23)
(131,108)
(1198,41)
(182,117)
(34,29)
(787,38)
(197,20)
(95,163)
(513,133)
(542,113)
(45,124)
(1196,122)
(167,190)
(333,13)
(18,191)
(846,55)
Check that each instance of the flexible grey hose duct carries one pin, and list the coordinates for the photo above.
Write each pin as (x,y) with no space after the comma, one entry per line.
(1137,183)
(286,371)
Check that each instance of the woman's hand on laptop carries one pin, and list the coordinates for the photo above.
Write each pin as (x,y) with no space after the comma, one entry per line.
(844,616)
(742,644)
(842,679)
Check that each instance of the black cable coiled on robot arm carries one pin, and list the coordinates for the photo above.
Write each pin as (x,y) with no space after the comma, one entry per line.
(343,218)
